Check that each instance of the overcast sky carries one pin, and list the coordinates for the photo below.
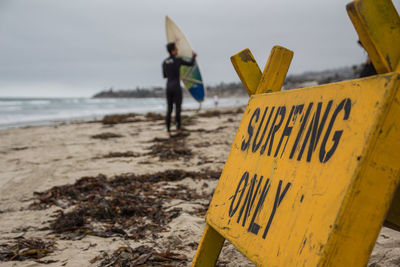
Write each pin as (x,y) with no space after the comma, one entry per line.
(60,48)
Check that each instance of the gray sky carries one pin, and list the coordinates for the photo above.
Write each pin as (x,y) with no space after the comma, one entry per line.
(79,47)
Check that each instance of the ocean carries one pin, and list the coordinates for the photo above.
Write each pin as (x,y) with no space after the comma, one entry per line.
(21,112)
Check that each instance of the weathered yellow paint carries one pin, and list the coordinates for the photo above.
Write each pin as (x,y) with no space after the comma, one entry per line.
(328,200)
(378,26)
(209,248)
(247,70)
(275,70)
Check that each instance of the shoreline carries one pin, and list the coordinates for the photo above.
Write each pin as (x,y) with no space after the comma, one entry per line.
(98,114)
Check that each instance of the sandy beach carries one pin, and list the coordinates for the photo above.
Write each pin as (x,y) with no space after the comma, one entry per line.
(119,190)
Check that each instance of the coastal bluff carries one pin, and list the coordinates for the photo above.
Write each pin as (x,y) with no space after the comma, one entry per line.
(236,88)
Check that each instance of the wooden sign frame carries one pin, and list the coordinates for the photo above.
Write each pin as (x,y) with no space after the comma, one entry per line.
(367,199)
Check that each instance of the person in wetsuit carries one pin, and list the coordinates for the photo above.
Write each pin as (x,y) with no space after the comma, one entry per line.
(368,68)
(170,69)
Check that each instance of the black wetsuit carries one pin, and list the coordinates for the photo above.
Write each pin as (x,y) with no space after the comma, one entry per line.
(367,70)
(170,68)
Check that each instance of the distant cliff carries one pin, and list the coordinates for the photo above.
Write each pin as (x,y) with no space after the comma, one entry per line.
(236,88)
(131,93)
(322,77)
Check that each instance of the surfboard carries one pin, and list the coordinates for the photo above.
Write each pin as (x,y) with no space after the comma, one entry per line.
(190,76)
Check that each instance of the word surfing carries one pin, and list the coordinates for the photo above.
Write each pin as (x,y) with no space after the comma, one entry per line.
(261,132)
(243,209)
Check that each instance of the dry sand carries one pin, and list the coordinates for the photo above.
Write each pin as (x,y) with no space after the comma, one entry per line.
(35,159)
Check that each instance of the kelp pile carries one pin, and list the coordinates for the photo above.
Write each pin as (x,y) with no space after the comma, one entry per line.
(106,136)
(140,256)
(126,154)
(120,118)
(152,116)
(172,148)
(127,205)
(21,249)
(217,113)
(131,118)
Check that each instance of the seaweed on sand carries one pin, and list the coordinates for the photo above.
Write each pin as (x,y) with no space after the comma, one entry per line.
(217,113)
(120,118)
(172,148)
(106,136)
(127,205)
(22,249)
(152,116)
(140,256)
(127,154)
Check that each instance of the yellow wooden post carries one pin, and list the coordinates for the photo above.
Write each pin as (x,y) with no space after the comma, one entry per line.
(275,70)
(273,75)
(247,69)
(209,248)
(378,26)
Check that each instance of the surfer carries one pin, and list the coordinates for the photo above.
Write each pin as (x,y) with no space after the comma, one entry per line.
(170,68)
(368,68)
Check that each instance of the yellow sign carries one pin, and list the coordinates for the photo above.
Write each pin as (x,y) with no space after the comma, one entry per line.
(312,173)
(295,180)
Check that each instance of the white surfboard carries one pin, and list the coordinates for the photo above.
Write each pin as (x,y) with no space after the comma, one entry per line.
(190,76)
